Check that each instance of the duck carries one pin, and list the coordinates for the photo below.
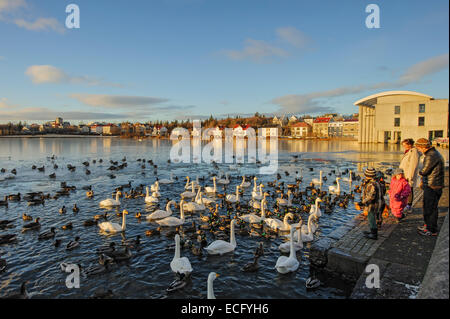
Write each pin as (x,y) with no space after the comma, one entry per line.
(67,226)
(132,243)
(160,214)
(4,202)
(153,232)
(277,224)
(90,194)
(178,283)
(288,264)
(180,264)
(96,269)
(173,221)
(221,247)
(90,222)
(107,249)
(32,226)
(73,243)
(48,234)
(312,283)
(210,289)
(110,227)
(120,255)
(6,223)
(252,266)
(75,208)
(7,239)
(111,202)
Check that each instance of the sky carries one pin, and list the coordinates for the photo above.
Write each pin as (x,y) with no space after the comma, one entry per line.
(142,60)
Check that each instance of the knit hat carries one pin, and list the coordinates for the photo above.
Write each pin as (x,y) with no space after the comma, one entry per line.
(370,172)
(398,171)
(423,142)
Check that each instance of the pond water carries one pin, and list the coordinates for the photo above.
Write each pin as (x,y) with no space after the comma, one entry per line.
(148,273)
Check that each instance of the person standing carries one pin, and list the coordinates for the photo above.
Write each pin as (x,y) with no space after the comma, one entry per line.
(410,165)
(372,199)
(432,184)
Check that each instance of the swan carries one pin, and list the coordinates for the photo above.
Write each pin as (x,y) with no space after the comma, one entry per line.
(114,227)
(204,201)
(188,183)
(315,209)
(288,264)
(335,189)
(189,194)
(233,198)
(211,277)
(151,199)
(316,181)
(210,189)
(222,247)
(283,202)
(159,214)
(254,219)
(173,221)
(155,187)
(255,187)
(245,184)
(167,181)
(298,245)
(258,195)
(348,179)
(307,231)
(225,181)
(111,202)
(180,264)
(278,224)
(299,175)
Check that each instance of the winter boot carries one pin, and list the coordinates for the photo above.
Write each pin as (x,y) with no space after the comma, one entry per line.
(373,234)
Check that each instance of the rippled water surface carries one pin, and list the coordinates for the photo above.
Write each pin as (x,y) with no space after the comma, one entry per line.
(148,273)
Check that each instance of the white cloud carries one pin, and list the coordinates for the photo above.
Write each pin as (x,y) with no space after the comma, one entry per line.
(293,36)
(11,5)
(41,24)
(256,50)
(46,114)
(310,102)
(42,74)
(117,101)
(4,104)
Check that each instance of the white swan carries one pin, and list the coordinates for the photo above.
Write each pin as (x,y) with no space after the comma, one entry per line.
(288,264)
(335,189)
(210,189)
(114,227)
(316,181)
(159,214)
(167,181)
(155,187)
(151,199)
(225,181)
(233,198)
(255,187)
(188,183)
(283,202)
(189,194)
(315,209)
(298,245)
(252,218)
(278,224)
(349,178)
(222,247)
(204,201)
(308,231)
(258,195)
(211,277)
(180,264)
(173,221)
(245,184)
(257,205)
(111,202)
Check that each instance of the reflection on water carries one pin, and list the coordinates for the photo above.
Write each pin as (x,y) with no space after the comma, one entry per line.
(148,274)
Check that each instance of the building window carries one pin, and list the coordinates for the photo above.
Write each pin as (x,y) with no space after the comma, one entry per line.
(421,108)
(397,122)
(421,121)
(397,109)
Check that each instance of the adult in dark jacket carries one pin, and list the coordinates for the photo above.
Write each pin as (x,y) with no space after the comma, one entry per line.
(432,184)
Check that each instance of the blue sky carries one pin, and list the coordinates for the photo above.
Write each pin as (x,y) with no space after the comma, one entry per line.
(147,60)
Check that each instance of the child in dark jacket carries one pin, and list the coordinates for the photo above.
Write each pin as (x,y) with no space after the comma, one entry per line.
(398,193)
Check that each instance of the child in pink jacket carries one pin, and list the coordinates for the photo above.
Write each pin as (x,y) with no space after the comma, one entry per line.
(399,191)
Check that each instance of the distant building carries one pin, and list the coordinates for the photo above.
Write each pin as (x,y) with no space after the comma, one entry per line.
(301,129)
(111,129)
(335,128)
(320,126)
(350,128)
(293,119)
(390,117)
(273,131)
(309,121)
(97,129)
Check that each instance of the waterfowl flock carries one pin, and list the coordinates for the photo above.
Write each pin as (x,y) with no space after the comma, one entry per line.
(204,216)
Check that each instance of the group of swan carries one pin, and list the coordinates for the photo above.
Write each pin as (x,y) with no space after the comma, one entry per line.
(151,199)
